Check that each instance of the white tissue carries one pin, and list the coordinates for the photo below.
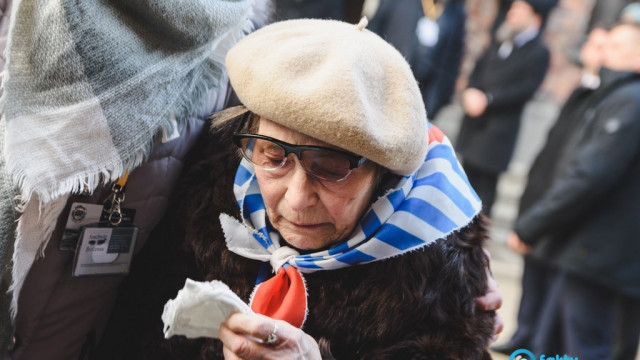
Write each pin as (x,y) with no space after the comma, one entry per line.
(200,308)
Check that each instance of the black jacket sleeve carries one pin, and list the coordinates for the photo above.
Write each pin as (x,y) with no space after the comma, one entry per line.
(598,163)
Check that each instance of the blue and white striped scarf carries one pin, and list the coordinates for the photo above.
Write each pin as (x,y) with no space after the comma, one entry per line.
(424,207)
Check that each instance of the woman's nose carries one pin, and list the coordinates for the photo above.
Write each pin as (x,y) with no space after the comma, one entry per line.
(301,192)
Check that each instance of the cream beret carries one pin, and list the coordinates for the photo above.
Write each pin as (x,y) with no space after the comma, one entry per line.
(335,82)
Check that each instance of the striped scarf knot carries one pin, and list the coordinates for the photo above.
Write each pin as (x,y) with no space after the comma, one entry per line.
(281,256)
(426,206)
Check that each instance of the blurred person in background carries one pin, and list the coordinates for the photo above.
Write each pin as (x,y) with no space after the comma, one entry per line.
(606,13)
(592,209)
(631,13)
(430,35)
(538,327)
(345,10)
(504,79)
(503,8)
(627,327)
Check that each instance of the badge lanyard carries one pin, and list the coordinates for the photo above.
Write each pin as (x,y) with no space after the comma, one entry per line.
(427,28)
(103,235)
(112,203)
(431,9)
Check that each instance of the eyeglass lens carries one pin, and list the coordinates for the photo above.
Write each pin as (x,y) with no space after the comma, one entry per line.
(322,164)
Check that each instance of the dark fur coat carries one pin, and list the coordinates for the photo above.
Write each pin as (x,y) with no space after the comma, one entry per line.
(416,306)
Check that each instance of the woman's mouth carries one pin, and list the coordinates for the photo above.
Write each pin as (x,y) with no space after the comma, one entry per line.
(306,225)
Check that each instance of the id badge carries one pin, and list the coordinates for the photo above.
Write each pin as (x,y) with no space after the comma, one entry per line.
(81,214)
(104,250)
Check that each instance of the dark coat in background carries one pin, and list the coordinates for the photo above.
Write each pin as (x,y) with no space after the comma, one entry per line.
(595,198)
(345,10)
(543,169)
(487,142)
(317,9)
(416,306)
(435,67)
(395,21)
(538,325)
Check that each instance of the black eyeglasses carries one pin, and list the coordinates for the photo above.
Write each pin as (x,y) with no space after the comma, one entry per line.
(320,162)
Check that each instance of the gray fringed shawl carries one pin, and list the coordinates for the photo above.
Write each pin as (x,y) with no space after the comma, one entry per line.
(88,85)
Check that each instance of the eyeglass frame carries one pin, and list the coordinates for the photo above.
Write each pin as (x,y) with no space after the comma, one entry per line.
(354,160)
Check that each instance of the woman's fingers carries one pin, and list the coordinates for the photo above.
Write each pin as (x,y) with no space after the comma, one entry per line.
(229,354)
(260,337)
(242,336)
(236,346)
(256,326)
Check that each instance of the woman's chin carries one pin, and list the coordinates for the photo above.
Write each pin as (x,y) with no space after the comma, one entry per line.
(306,240)
(306,244)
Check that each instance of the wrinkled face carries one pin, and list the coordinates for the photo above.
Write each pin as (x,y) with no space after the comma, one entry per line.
(622,51)
(521,16)
(310,213)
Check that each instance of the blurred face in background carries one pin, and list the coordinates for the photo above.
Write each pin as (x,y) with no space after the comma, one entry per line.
(521,16)
(592,51)
(622,49)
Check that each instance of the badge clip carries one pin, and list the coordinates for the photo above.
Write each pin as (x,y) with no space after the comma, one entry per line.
(112,203)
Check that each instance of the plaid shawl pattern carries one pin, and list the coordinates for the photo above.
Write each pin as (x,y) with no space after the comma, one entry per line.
(90,83)
(87,88)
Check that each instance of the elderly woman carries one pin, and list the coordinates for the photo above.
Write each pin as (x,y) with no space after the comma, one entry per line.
(330,204)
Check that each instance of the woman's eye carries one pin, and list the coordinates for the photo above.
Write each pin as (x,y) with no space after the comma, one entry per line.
(268,155)
(273,154)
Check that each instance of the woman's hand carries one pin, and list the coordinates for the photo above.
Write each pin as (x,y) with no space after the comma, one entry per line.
(244,337)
